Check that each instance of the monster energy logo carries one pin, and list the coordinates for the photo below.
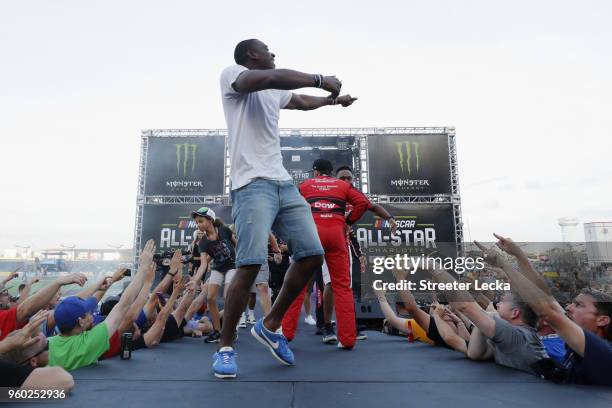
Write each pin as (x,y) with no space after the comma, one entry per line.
(185,165)
(185,157)
(411,152)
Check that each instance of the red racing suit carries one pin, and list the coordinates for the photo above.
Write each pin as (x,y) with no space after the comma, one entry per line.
(328,198)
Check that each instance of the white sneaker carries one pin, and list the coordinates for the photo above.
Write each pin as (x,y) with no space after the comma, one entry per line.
(242,323)
(309,320)
(251,319)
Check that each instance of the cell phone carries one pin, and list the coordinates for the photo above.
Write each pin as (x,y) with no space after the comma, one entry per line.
(128,272)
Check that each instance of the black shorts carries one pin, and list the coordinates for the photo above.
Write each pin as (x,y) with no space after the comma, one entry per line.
(13,375)
(434,334)
(172,329)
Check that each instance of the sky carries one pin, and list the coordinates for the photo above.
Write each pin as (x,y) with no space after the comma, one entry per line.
(526,84)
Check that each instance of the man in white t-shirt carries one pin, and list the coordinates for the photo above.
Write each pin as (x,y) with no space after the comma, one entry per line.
(263,196)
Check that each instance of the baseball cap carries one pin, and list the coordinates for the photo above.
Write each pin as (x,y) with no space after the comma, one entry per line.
(204,212)
(69,310)
(323,165)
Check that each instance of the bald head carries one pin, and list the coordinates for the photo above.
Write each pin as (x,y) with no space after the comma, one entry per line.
(253,54)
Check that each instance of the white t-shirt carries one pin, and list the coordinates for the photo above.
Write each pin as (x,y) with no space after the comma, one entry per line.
(252,124)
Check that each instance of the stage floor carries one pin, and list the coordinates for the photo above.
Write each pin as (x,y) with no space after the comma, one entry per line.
(380,372)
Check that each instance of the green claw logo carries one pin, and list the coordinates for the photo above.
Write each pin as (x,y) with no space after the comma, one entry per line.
(410,149)
(185,157)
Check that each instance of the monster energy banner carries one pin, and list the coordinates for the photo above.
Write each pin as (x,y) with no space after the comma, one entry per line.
(409,164)
(171,225)
(185,166)
(423,229)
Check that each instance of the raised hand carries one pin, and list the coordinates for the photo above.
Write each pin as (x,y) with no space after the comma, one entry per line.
(119,274)
(24,337)
(492,257)
(106,283)
(77,278)
(508,246)
(146,256)
(347,100)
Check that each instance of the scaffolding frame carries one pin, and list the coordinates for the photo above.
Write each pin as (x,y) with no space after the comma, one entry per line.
(361,170)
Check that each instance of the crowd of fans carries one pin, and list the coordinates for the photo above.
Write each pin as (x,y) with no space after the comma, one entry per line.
(44,336)
(525,329)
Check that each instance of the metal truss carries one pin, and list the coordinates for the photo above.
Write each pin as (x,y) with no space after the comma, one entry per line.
(308,132)
(164,200)
(361,169)
(137,232)
(433,199)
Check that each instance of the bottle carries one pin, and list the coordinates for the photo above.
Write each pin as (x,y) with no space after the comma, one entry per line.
(126,346)
(410,332)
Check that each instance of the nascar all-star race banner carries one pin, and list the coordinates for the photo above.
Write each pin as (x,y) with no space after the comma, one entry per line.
(423,229)
(185,166)
(171,225)
(409,164)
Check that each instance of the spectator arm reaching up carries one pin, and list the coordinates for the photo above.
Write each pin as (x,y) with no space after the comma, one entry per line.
(529,287)
(131,292)
(399,323)
(153,336)
(410,303)
(43,297)
(25,293)
(446,332)
(141,299)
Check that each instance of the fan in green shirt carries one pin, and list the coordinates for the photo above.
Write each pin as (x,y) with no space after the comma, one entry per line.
(81,343)
(72,352)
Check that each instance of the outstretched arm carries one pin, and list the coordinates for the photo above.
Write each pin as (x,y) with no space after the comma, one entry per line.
(410,303)
(446,332)
(153,336)
(384,214)
(395,321)
(464,302)
(529,286)
(136,307)
(42,298)
(308,102)
(131,292)
(26,291)
(254,80)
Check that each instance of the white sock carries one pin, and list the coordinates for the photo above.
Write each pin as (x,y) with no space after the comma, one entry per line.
(226,348)
(251,314)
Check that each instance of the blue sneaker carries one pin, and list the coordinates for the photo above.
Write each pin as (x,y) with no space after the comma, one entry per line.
(224,363)
(276,342)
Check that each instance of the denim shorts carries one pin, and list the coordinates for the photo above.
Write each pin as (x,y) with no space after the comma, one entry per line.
(264,205)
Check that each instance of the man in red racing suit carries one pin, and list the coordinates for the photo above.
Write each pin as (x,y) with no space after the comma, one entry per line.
(328,198)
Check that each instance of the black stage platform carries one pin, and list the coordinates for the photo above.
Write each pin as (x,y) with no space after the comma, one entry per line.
(380,372)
